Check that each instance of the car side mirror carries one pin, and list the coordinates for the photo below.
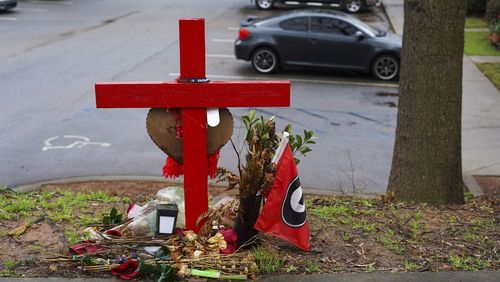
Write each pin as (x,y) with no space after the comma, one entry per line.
(359,35)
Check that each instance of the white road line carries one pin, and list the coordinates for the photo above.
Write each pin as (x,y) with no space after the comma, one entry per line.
(67,3)
(220,56)
(223,40)
(321,81)
(314,4)
(233,28)
(31,10)
(7,19)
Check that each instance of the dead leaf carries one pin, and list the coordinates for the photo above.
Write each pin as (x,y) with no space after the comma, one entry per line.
(365,265)
(18,231)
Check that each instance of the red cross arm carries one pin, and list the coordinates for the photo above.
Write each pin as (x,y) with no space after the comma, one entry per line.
(192,95)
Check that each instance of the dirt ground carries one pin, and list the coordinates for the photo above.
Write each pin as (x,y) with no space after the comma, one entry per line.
(348,234)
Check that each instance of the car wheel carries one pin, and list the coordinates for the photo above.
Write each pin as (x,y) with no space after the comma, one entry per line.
(353,6)
(385,67)
(265,60)
(264,4)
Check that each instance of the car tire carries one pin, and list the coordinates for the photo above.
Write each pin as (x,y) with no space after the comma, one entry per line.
(386,67)
(265,60)
(353,6)
(264,4)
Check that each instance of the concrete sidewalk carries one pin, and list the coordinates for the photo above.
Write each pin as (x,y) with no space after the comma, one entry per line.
(481,108)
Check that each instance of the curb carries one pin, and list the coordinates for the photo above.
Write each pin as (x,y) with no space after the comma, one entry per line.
(388,18)
(472,185)
(34,186)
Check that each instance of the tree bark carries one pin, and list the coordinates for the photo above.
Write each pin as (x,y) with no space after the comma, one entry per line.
(427,160)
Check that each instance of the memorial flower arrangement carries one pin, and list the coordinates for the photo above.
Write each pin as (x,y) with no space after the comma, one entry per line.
(256,175)
(126,248)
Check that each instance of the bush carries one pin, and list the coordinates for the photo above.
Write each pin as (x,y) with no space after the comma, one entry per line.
(492,11)
(476,7)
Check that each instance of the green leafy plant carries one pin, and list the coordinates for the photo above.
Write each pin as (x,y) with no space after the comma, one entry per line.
(159,272)
(299,143)
(113,218)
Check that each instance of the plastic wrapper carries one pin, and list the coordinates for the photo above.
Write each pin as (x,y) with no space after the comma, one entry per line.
(144,223)
(174,195)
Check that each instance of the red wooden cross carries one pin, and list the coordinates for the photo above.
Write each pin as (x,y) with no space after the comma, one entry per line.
(193,94)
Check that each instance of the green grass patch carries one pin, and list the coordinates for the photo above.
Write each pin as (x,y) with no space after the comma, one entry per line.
(267,263)
(467,263)
(8,267)
(58,206)
(492,71)
(291,269)
(312,267)
(330,212)
(390,244)
(475,23)
(478,44)
(73,237)
(409,266)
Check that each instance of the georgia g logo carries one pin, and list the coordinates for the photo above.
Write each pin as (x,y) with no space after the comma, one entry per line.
(293,210)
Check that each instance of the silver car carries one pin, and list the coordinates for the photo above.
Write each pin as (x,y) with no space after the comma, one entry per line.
(351,6)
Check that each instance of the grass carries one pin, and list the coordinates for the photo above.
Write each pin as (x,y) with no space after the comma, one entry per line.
(291,269)
(475,23)
(390,244)
(267,263)
(61,206)
(8,268)
(312,267)
(409,266)
(492,71)
(478,44)
(72,237)
(467,263)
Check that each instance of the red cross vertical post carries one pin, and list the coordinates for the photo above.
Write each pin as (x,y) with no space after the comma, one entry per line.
(193,93)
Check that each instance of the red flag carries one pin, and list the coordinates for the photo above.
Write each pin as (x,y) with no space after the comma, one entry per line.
(284,213)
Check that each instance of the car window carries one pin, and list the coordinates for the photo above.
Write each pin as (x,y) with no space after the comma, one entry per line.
(332,26)
(296,24)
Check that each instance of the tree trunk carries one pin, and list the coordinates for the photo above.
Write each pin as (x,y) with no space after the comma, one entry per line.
(427,160)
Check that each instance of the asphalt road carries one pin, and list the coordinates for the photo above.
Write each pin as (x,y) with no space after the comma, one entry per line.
(52,52)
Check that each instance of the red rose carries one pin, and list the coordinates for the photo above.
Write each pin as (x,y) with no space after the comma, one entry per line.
(126,270)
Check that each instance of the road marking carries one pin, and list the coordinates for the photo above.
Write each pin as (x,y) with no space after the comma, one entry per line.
(223,40)
(233,28)
(7,19)
(220,56)
(31,10)
(314,4)
(78,142)
(320,81)
(67,3)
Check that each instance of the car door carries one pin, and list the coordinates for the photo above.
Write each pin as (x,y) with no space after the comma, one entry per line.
(332,43)
(291,40)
